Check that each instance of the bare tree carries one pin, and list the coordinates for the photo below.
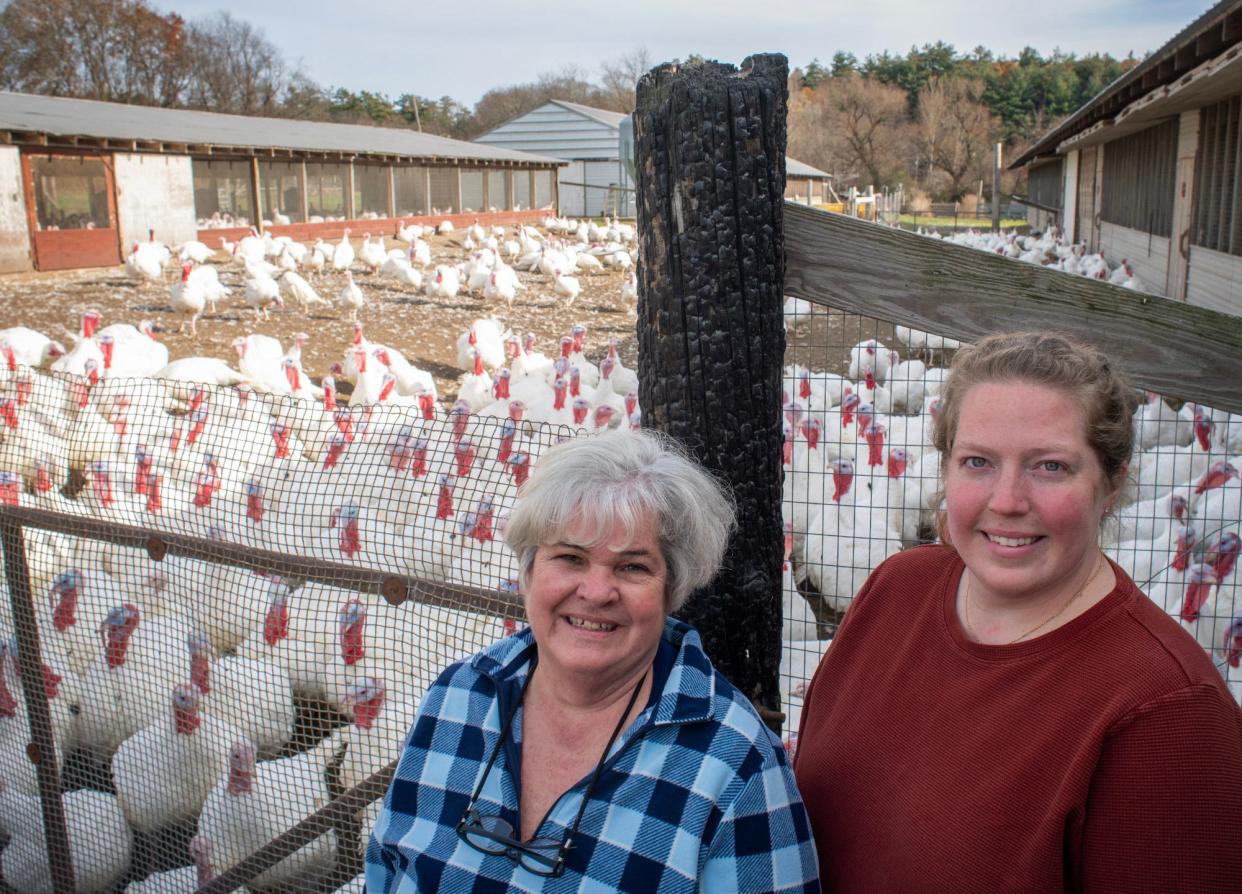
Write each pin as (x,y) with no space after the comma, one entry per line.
(853,126)
(956,130)
(809,139)
(235,68)
(118,50)
(504,103)
(619,77)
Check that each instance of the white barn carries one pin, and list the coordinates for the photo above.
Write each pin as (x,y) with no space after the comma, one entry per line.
(596,181)
(1150,170)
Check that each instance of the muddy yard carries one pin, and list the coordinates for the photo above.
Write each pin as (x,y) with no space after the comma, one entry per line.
(425,329)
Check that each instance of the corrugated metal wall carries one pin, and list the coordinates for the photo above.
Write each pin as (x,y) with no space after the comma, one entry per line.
(1139,173)
(1147,253)
(1218,218)
(1215,280)
(573,198)
(15,252)
(155,192)
(593,146)
(556,131)
(1044,185)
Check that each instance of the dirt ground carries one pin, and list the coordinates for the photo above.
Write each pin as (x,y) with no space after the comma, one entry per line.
(424,329)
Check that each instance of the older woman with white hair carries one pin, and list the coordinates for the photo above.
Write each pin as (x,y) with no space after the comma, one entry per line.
(598,749)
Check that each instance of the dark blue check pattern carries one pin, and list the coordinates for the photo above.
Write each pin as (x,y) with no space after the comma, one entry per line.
(696,795)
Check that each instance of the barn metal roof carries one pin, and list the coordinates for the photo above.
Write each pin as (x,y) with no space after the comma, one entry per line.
(803,171)
(552,135)
(190,131)
(603,116)
(559,129)
(1211,34)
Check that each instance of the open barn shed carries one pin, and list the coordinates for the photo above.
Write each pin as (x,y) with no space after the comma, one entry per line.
(596,180)
(80,181)
(1150,170)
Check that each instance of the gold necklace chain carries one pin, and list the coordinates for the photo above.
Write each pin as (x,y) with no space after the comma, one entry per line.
(970,629)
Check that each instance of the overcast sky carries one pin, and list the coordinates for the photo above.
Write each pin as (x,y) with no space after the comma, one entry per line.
(462,49)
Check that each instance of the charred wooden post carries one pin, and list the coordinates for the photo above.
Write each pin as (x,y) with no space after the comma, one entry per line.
(710,177)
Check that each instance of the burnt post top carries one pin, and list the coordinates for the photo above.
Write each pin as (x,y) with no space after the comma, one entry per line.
(710,181)
(709,75)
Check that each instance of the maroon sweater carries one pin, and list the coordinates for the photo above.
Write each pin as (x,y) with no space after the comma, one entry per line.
(1104,756)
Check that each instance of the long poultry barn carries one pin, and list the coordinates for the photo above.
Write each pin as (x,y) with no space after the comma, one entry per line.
(1150,170)
(81,181)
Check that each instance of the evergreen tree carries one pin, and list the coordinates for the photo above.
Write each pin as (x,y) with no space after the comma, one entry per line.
(843,63)
(814,74)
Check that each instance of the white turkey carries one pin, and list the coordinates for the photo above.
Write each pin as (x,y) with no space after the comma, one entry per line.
(100,841)
(445,282)
(146,260)
(372,254)
(257,800)
(566,286)
(25,346)
(343,253)
(301,290)
(350,297)
(485,337)
(165,771)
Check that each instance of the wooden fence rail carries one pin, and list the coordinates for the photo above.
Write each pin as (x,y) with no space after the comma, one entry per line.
(1175,349)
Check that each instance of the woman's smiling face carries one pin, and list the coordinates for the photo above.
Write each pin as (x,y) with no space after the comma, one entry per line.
(1025,492)
(598,611)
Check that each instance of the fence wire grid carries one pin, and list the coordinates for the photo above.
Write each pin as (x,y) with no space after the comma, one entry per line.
(206,700)
(862,482)
(205,703)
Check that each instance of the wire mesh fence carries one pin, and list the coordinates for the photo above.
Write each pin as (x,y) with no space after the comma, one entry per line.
(862,482)
(236,602)
(237,599)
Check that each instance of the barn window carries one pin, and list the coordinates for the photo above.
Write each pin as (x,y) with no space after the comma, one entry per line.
(497,195)
(443,190)
(280,186)
(70,193)
(371,191)
(411,189)
(1139,173)
(471,190)
(222,193)
(543,189)
(521,190)
(325,192)
(1218,190)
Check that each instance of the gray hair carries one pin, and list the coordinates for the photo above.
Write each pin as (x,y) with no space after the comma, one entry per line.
(626,477)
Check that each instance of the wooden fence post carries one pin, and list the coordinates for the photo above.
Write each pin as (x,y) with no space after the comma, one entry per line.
(710,165)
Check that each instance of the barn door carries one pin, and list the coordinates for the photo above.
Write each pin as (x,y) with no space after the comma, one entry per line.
(1085,215)
(71,203)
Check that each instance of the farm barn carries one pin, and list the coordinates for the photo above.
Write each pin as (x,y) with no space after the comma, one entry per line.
(1150,170)
(298,566)
(596,180)
(81,181)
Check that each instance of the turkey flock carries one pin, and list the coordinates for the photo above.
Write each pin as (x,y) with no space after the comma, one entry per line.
(201,708)
(1050,249)
(862,482)
(280,271)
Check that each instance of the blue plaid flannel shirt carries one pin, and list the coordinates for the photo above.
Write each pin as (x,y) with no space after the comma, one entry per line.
(697,795)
